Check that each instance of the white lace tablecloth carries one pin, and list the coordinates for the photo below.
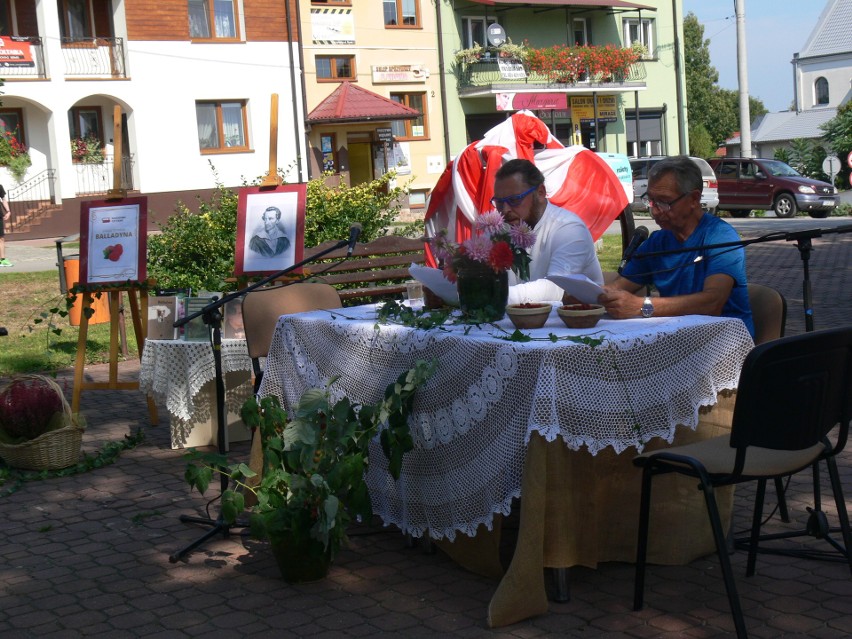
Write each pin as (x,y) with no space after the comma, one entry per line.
(176,370)
(473,420)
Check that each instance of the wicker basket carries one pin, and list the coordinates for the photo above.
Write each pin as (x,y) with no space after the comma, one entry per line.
(52,450)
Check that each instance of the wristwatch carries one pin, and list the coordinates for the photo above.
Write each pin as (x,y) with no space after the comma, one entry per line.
(647,307)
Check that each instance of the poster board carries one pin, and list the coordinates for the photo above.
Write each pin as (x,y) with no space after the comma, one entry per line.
(270,229)
(113,241)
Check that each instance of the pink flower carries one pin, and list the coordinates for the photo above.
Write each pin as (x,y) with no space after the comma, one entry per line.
(489,223)
(478,247)
(522,235)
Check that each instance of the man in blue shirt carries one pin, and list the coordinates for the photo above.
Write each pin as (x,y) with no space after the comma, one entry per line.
(715,284)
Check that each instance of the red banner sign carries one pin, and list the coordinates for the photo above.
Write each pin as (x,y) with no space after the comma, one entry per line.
(531,101)
(15,54)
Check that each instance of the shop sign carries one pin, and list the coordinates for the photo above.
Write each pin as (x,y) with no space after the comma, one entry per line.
(400,73)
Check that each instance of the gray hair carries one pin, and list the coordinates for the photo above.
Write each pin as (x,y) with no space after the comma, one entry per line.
(686,173)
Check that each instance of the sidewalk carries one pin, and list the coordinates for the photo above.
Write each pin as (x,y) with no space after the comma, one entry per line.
(32,256)
(87,555)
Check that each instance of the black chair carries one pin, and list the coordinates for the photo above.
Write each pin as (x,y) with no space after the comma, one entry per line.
(793,394)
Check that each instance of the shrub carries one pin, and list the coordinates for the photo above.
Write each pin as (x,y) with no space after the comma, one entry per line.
(196,250)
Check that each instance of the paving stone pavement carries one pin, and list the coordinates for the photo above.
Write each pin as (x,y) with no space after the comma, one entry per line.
(87,555)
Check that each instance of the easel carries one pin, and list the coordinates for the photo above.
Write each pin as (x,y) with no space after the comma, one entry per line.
(138,299)
(272,179)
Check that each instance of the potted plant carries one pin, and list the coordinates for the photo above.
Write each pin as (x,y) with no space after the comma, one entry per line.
(37,429)
(312,483)
(470,55)
(479,266)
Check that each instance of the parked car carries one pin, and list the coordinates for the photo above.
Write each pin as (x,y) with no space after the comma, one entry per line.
(746,184)
(641,166)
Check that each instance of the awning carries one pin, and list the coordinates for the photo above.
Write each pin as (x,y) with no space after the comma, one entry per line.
(616,4)
(351,103)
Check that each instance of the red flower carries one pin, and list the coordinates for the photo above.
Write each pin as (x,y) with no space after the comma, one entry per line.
(501,257)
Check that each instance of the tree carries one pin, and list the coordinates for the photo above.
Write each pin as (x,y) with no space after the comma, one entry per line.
(838,132)
(700,143)
(708,105)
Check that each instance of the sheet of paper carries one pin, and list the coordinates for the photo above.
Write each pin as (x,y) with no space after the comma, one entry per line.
(434,279)
(578,286)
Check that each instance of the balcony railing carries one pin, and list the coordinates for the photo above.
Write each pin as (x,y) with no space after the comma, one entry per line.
(30,62)
(32,199)
(94,57)
(97,177)
(487,72)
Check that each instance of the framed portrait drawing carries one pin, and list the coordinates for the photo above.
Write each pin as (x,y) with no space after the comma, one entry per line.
(270,229)
(113,241)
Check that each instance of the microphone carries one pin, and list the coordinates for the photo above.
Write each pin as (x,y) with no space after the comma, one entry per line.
(354,232)
(639,236)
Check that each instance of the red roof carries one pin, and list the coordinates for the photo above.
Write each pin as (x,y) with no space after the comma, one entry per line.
(351,103)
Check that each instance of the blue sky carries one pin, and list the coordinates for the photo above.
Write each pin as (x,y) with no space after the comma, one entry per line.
(775,29)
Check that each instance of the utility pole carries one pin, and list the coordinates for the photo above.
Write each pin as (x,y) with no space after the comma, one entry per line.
(742,77)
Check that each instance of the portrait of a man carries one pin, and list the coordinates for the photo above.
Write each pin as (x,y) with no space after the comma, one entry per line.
(270,229)
(270,238)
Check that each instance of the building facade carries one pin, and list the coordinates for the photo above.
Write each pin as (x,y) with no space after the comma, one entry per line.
(591,101)
(372,87)
(192,80)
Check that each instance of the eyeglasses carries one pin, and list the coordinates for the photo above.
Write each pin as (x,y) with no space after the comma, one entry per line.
(662,207)
(511,200)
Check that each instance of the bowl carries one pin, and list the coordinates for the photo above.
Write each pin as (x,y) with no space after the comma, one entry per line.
(580,315)
(529,314)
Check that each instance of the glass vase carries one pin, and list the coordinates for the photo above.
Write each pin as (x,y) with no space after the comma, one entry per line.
(482,292)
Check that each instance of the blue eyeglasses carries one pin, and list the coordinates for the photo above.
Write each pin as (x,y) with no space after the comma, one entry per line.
(511,200)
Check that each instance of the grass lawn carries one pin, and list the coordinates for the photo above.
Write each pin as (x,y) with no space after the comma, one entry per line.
(52,344)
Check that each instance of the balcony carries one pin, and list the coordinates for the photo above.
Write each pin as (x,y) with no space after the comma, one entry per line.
(508,74)
(96,178)
(96,58)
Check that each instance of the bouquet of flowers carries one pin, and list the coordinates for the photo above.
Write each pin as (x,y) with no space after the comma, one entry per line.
(495,244)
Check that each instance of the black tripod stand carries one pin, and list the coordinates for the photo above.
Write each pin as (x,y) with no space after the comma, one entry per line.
(212,316)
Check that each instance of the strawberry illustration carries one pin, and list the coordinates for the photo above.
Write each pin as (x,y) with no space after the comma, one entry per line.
(112,253)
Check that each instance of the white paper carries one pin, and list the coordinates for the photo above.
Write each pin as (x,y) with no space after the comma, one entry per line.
(578,286)
(434,279)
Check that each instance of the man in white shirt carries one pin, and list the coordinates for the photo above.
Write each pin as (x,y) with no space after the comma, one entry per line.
(563,243)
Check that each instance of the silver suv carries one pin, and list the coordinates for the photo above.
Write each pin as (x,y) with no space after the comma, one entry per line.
(641,166)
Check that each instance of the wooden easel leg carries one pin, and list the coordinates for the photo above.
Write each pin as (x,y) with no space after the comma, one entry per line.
(80,362)
(114,300)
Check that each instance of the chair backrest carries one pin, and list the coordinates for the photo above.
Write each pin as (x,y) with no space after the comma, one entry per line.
(769,312)
(262,308)
(793,391)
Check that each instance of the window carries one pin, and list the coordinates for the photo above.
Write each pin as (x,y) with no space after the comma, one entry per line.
(416,129)
(86,122)
(76,21)
(473,30)
(221,126)
(5,18)
(335,67)
(821,90)
(12,123)
(580,31)
(328,149)
(641,31)
(212,19)
(402,13)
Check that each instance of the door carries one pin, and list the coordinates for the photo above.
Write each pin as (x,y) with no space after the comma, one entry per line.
(754,185)
(360,163)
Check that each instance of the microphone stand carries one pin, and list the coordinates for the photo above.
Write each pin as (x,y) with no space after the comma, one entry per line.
(803,242)
(213,318)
